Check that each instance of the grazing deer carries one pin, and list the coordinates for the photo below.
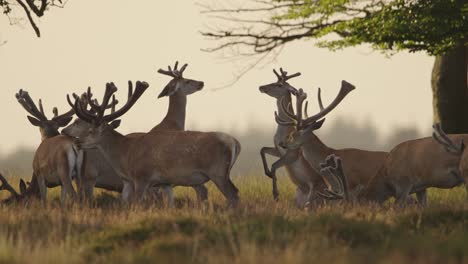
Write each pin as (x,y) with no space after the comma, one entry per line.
(360,165)
(411,167)
(299,170)
(185,158)
(56,161)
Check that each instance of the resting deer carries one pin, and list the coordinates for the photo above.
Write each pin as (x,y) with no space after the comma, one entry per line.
(56,161)
(185,158)
(360,165)
(32,190)
(299,170)
(411,167)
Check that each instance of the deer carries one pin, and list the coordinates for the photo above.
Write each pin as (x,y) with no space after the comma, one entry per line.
(299,170)
(360,166)
(25,191)
(177,90)
(411,167)
(175,158)
(56,162)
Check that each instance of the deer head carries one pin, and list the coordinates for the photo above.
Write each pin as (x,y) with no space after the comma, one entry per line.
(281,87)
(305,127)
(101,124)
(179,85)
(37,117)
(80,128)
(26,191)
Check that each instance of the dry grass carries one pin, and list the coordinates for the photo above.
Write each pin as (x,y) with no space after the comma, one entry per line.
(259,231)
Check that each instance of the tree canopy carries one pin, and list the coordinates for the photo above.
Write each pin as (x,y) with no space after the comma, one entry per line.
(32,9)
(434,26)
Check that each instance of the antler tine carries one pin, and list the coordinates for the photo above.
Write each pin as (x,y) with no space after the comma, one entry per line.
(319,98)
(79,109)
(442,138)
(277,75)
(344,90)
(176,65)
(140,88)
(301,96)
(28,104)
(110,90)
(6,186)
(114,102)
(293,76)
(95,106)
(41,108)
(183,69)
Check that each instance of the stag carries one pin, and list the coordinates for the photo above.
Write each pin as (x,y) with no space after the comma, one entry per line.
(185,158)
(177,90)
(56,161)
(411,167)
(360,166)
(299,170)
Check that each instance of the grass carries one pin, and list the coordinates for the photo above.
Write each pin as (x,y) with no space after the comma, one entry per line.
(259,231)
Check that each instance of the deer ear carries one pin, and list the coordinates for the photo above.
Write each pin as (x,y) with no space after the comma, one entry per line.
(170,89)
(34,121)
(314,126)
(22,186)
(115,124)
(63,121)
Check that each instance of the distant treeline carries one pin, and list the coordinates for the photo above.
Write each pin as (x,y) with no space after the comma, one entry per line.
(339,133)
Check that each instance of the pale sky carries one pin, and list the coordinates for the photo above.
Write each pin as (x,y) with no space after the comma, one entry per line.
(89,43)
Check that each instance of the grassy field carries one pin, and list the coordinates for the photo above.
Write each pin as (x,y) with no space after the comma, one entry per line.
(259,231)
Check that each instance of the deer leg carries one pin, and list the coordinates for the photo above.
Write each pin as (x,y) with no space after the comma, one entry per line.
(422,198)
(287,159)
(127,191)
(202,193)
(402,195)
(42,189)
(169,195)
(229,190)
(270,151)
(140,191)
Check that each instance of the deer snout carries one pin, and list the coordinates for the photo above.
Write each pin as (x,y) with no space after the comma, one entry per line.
(200,85)
(263,89)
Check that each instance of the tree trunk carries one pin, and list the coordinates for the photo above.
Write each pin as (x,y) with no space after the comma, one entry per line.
(450,90)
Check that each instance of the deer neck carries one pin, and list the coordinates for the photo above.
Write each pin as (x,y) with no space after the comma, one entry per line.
(175,117)
(376,189)
(113,149)
(283,131)
(45,135)
(315,151)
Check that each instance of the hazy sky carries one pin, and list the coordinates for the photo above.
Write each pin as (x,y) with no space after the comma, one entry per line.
(89,43)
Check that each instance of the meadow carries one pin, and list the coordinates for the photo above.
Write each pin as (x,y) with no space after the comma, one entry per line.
(259,231)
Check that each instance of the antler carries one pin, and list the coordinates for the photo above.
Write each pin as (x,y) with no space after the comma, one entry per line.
(293,119)
(6,186)
(175,73)
(284,77)
(96,114)
(28,104)
(443,139)
(344,90)
(332,172)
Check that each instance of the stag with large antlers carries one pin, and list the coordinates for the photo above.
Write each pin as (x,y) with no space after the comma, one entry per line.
(411,167)
(185,158)
(299,170)
(360,165)
(56,161)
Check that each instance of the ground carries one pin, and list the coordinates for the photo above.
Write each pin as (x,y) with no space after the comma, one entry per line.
(259,231)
